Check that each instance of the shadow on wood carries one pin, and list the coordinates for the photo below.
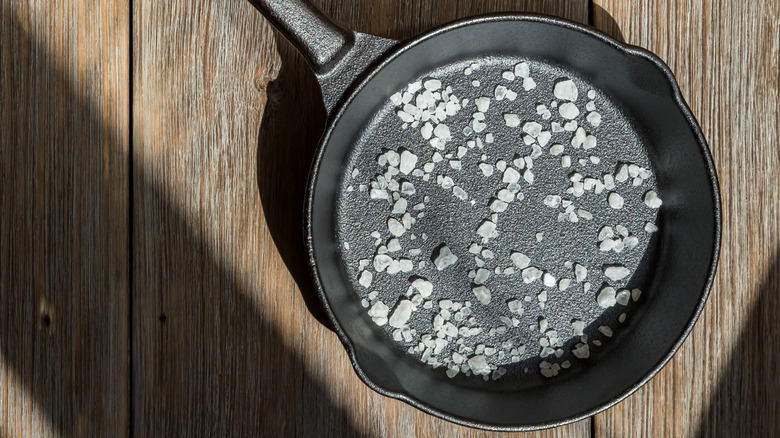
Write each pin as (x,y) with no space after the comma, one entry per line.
(63,233)
(294,119)
(62,295)
(746,400)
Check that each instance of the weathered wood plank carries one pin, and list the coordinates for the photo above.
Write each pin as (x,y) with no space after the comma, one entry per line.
(224,342)
(64,254)
(724,381)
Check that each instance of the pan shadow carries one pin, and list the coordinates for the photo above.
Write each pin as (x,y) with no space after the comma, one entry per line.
(295,117)
(745,402)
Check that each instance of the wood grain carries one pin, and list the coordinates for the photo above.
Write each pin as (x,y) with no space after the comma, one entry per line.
(224,343)
(64,139)
(724,381)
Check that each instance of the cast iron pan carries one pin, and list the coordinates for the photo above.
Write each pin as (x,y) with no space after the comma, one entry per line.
(646,121)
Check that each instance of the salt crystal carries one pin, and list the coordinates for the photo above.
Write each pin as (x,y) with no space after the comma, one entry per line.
(580,272)
(528,84)
(522,70)
(512,120)
(568,110)
(511,175)
(556,149)
(652,200)
(635,294)
(520,260)
(531,274)
(515,306)
(581,351)
(552,201)
(650,227)
(381,262)
(482,103)
(408,161)
(615,200)
(623,296)
(444,258)
(548,279)
(400,206)
(616,272)
(528,176)
(606,331)
(594,118)
(606,297)
(432,84)
(378,194)
(532,128)
(487,229)
(403,310)
(544,138)
(365,279)
(423,286)
(378,312)
(565,90)
(486,169)
(478,365)
(483,294)
(481,276)
(564,284)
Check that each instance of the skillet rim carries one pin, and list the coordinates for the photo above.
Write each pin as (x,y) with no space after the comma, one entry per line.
(357,86)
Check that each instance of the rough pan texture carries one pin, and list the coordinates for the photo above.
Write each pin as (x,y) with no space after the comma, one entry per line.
(152,168)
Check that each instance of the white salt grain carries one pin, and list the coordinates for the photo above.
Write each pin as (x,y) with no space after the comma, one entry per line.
(552,201)
(396,228)
(623,296)
(512,120)
(515,306)
(483,294)
(403,310)
(652,200)
(482,103)
(568,110)
(531,274)
(478,365)
(520,260)
(408,162)
(444,258)
(580,272)
(606,331)
(511,175)
(565,90)
(615,200)
(616,272)
(487,229)
(606,298)
(423,286)
(650,227)
(594,118)
(400,206)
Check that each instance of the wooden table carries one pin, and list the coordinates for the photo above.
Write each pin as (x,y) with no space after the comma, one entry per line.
(152,163)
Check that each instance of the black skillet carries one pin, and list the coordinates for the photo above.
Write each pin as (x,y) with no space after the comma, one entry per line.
(358,73)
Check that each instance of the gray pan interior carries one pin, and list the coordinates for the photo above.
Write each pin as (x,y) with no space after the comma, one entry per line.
(675,270)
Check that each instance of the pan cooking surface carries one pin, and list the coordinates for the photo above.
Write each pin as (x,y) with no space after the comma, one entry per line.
(517,345)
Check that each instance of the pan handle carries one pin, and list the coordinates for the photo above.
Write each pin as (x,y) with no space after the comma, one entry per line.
(336,55)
